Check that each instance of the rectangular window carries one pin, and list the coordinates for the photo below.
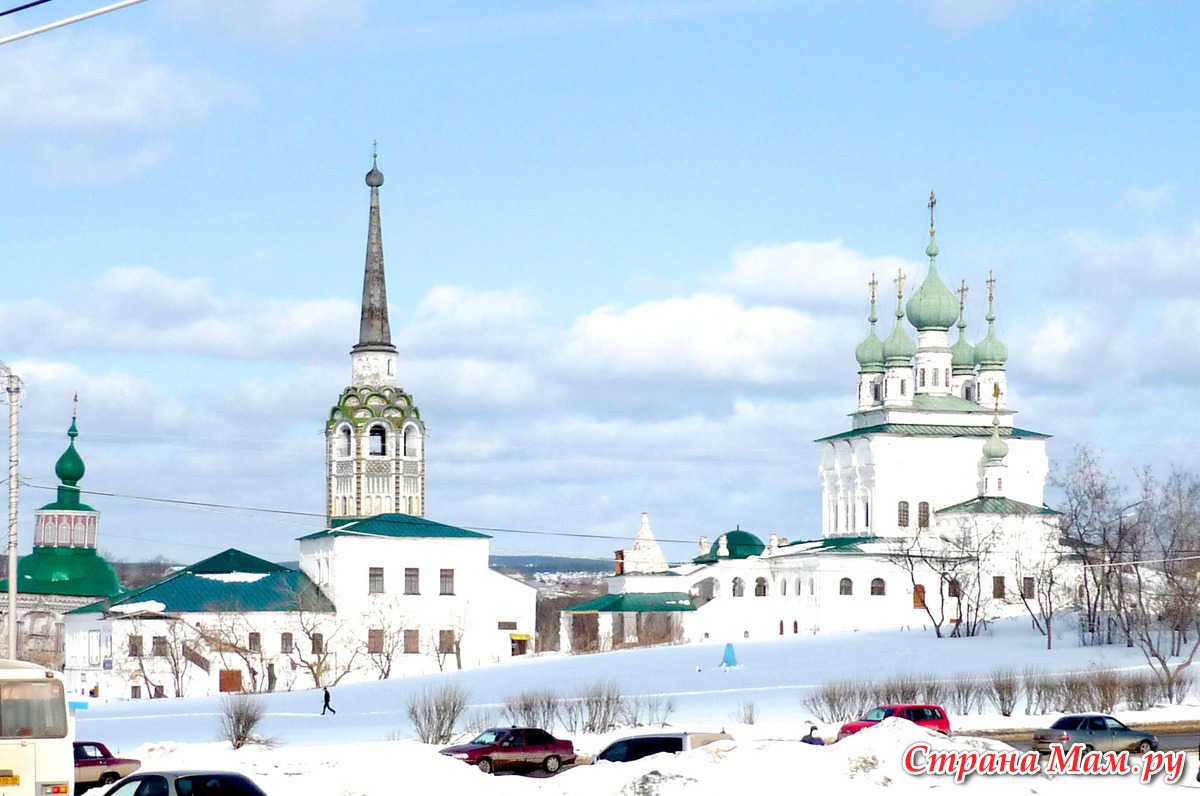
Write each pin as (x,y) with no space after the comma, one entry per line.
(1027,588)
(506,625)
(903,383)
(445,642)
(285,643)
(922,515)
(135,647)
(412,580)
(158,647)
(375,641)
(954,589)
(902,513)
(447,581)
(135,692)
(921,374)
(318,644)
(375,580)
(412,642)
(254,642)
(998,586)
(160,692)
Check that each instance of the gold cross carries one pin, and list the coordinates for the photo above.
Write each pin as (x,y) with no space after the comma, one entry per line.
(874,283)
(899,280)
(932,204)
(962,295)
(991,283)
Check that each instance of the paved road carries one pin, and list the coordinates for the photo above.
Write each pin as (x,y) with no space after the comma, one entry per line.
(1166,741)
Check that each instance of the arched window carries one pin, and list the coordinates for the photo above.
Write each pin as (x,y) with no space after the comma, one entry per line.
(344,442)
(846,587)
(923,514)
(902,514)
(954,589)
(875,392)
(739,587)
(918,596)
(760,587)
(378,441)
(878,587)
(410,441)
(781,627)
(795,627)
(812,586)
(783,588)
(867,514)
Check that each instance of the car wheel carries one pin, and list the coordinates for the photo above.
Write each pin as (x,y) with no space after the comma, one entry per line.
(1144,746)
(109,778)
(485,765)
(552,764)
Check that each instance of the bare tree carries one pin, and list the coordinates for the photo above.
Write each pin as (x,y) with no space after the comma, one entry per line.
(322,635)
(383,641)
(445,642)
(229,636)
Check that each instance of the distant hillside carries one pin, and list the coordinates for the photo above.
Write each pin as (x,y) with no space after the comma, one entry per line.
(531,564)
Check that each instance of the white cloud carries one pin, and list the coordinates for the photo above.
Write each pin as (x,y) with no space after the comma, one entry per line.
(700,338)
(288,23)
(1154,197)
(496,324)
(100,106)
(1151,265)
(814,275)
(964,15)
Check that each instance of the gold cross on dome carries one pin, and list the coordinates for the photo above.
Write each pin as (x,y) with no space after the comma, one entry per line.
(874,283)
(932,204)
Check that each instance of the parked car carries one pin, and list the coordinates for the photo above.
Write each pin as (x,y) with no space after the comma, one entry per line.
(186,783)
(1094,731)
(514,749)
(95,765)
(638,746)
(931,716)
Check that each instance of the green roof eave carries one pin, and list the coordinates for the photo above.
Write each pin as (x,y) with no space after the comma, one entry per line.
(399,526)
(996,505)
(639,602)
(933,430)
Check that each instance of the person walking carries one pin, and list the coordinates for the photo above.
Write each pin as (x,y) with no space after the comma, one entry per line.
(327,706)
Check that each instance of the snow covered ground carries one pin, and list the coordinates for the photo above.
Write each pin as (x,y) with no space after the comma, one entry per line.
(368,746)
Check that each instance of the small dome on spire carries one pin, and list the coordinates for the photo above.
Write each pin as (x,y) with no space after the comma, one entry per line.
(962,353)
(899,348)
(374,176)
(990,353)
(869,352)
(995,449)
(70,468)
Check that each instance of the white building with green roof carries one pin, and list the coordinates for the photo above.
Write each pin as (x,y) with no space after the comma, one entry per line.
(932,506)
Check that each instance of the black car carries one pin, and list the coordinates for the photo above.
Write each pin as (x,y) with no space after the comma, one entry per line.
(186,783)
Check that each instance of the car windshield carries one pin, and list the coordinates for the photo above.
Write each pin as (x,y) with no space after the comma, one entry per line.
(1065,723)
(489,736)
(878,714)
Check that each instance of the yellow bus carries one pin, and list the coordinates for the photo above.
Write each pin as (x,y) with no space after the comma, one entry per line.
(36,732)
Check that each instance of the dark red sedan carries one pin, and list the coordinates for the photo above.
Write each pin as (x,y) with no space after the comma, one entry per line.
(514,749)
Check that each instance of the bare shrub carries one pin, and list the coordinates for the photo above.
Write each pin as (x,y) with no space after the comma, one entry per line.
(597,709)
(1005,690)
(477,721)
(1140,690)
(746,712)
(933,691)
(1039,690)
(1185,680)
(831,702)
(903,688)
(964,694)
(435,711)
(659,709)
(240,716)
(631,711)
(537,708)
(1075,693)
(1106,690)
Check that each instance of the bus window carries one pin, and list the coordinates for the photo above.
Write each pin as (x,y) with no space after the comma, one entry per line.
(32,709)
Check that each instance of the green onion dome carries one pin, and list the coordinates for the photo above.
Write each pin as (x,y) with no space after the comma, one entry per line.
(994,450)
(69,468)
(869,352)
(899,348)
(933,306)
(962,353)
(990,353)
(77,571)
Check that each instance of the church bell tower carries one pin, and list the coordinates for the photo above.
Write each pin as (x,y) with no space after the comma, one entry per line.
(375,440)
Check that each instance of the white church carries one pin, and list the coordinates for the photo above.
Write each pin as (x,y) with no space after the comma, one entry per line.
(932,509)
(380,590)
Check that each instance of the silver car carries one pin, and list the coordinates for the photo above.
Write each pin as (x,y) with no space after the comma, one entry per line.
(186,783)
(1094,731)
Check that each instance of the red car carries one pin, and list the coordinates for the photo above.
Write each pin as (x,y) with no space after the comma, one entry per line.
(931,716)
(514,748)
(95,765)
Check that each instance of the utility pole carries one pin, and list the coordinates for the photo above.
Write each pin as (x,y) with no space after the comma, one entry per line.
(13,388)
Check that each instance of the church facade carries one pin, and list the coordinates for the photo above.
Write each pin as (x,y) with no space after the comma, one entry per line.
(380,591)
(932,507)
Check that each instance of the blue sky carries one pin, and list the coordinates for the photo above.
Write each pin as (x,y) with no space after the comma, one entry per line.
(627,245)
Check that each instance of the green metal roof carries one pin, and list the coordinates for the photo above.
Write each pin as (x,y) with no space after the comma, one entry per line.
(74,571)
(931,430)
(394,525)
(739,543)
(252,585)
(995,505)
(640,602)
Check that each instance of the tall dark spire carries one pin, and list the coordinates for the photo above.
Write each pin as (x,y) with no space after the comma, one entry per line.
(374,332)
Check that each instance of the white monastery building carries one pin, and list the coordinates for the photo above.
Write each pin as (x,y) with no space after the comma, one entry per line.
(380,590)
(932,510)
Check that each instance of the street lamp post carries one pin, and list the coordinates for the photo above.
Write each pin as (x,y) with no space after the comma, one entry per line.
(13,387)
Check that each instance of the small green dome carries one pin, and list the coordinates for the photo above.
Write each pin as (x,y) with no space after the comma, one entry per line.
(995,449)
(933,306)
(899,348)
(962,353)
(741,544)
(990,353)
(869,352)
(69,468)
(78,571)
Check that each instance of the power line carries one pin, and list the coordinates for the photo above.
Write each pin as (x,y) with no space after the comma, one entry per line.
(70,20)
(22,8)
